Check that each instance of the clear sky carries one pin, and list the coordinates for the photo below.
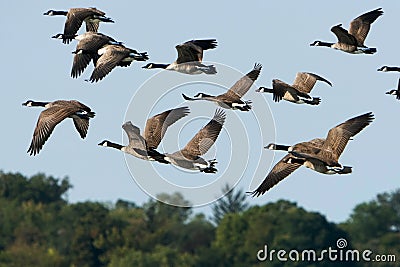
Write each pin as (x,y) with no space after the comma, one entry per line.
(274,33)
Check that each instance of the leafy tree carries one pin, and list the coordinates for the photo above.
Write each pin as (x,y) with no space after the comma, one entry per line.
(84,227)
(375,225)
(123,204)
(38,188)
(280,225)
(231,202)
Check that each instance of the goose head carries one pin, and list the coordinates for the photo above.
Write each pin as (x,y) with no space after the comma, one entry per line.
(262,89)
(58,36)
(316,43)
(28,103)
(383,68)
(103,143)
(52,12)
(49,12)
(391,92)
(271,146)
(63,36)
(148,66)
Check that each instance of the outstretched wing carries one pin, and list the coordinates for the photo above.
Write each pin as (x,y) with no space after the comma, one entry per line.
(343,36)
(240,88)
(305,81)
(82,126)
(157,125)
(360,26)
(339,136)
(206,137)
(48,119)
(280,171)
(135,139)
(111,58)
(75,18)
(193,50)
(86,50)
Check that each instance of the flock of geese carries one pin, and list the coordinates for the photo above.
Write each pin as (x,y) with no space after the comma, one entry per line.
(320,155)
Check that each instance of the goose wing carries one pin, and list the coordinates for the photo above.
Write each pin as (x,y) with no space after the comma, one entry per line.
(206,137)
(305,81)
(193,50)
(280,171)
(75,18)
(112,57)
(360,26)
(82,126)
(79,64)
(93,41)
(93,26)
(339,136)
(157,125)
(343,36)
(48,119)
(135,139)
(86,50)
(280,88)
(240,88)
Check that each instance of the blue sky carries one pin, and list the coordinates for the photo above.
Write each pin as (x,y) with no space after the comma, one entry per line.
(276,34)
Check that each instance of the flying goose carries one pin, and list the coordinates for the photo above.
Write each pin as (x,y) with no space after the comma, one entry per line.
(319,154)
(86,49)
(232,98)
(352,41)
(395,92)
(387,69)
(112,56)
(189,156)
(76,16)
(144,147)
(190,56)
(54,113)
(298,92)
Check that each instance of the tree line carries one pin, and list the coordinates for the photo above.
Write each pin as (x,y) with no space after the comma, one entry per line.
(39,227)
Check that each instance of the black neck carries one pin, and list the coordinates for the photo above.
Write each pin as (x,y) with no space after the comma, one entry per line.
(63,13)
(281,147)
(39,104)
(159,66)
(325,44)
(114,145)
(393,68)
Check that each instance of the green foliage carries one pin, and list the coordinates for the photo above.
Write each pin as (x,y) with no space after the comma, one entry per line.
(375,225)
(280,225)
(231,202)
(38,227)
(38,188)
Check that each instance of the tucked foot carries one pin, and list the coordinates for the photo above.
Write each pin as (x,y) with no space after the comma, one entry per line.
(314,101)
